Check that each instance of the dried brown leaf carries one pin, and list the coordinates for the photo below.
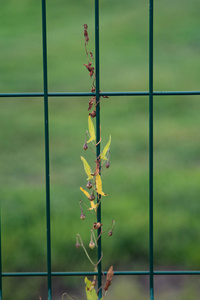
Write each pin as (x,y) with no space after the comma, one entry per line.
(97,225)
(89,68)
(85,32)
(91,55)
(97,167)
(92,100)
(93,114)
(109,278)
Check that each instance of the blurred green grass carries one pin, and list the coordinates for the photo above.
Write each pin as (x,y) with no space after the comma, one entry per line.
(124,66)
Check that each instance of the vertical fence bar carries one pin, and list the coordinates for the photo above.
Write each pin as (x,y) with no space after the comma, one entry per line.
(0,258)
(151,279)
(98,135)
(46,126)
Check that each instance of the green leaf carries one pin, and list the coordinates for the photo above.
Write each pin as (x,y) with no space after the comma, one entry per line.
(99,185)
(90,290)
(91,130)
(87,168)
(105,150)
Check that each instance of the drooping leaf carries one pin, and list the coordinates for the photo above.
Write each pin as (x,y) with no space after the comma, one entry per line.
(90,291)
(85,192)
(109,278)
(105,150)
(87,282)
(91,102)
(86,168)
(99,185)
(91,130)
(93,206)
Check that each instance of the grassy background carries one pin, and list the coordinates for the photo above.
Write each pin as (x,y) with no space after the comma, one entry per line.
(124,66)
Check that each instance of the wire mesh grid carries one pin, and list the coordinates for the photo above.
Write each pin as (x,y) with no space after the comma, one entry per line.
(46,94)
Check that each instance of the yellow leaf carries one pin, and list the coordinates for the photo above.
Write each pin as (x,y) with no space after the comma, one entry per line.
(99,185)
(93,206)
(87,168)
(85,192)
(91,130)
(87,282)
(105,150)
(90,291)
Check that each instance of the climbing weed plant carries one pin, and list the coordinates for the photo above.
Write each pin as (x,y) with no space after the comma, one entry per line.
(93,187)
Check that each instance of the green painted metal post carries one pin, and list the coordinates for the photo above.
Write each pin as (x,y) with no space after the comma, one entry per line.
(46,126)
(98,135)
(151,276)
(0,258)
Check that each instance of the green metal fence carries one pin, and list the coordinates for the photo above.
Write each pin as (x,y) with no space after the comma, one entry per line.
(45,94)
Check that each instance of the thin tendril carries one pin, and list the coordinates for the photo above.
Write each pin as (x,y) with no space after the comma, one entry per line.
(65,294)
(82,245)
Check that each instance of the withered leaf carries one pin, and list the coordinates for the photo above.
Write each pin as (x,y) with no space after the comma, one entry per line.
(109,278)
(97,225)
(92,100)
(103,96)
(92,57)
(85,32)
(97,167)
(88,66)
(93,114)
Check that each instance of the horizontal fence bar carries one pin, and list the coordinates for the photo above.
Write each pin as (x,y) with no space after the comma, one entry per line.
(21,274)
(89,94)
(49,94)
(176,272)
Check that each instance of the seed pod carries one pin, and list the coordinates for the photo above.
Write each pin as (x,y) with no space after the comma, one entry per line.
(89,185)
(82,216)
(91,245)
(107,164)
(85,146)
(92,197)
(97,225)
(77,245)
